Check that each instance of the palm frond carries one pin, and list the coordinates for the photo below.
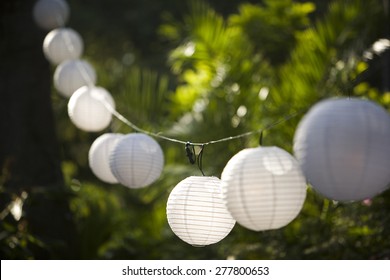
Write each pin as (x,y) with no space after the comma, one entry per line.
(145,94)
(337,37)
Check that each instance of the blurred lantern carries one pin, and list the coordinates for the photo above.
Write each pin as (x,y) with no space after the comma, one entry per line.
(99,155)
(73,74)
(196,212)
(137,160)
(87,111)
(263,188)
(62,44)
(50,14)
(343,146)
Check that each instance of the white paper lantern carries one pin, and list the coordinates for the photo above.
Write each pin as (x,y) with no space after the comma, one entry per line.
(99,156)
(137,160)
(263,188)
(62,44)
(87,111)
(343,146)
(71,75)
(50,14)
(196,212)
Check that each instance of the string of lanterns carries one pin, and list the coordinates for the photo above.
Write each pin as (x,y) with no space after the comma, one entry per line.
(342,148)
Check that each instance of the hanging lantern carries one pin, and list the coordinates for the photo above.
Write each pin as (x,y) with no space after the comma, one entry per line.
(196,212)
(50,14)
(87,111)
(72,75)
(343,148)
(263,188)
(99,155)
(62,44)
(137,160)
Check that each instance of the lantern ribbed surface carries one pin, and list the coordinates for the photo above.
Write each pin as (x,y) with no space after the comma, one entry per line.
(71,75)
(137,160)
(50,14)
(263,188)
(62,44)
(87,111)
(196,212)
(99,156)
(343,146)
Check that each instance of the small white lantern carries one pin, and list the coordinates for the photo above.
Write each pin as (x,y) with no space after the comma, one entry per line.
(263,188)
(71,75)
(99,156)
(343,146)
(62,44)
(196,212)
(50,14)
(137,160)
(87,111)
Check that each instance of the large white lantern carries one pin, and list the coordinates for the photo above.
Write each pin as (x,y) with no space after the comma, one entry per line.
(50,14)
(137,160)
(263,188)
(196,212)
(72,75)
(62,44)
(343,146)
(99,156)
(87,110)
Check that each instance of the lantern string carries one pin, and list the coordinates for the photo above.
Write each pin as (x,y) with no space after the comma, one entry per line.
(122,118)
(68,41)
(85,75)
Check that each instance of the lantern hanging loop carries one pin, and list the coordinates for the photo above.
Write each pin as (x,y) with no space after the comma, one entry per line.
(200,158)
(190,152)
(261,137)
(193,157)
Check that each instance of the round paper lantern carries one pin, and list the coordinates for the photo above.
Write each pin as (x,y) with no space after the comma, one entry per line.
(137,160)
(99,156)
(62,44)
(343,146)
(87,111)
(50,14)
(196,212)
(72,75)
(263,188)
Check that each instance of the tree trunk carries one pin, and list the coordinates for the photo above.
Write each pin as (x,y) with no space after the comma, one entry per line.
(29,150)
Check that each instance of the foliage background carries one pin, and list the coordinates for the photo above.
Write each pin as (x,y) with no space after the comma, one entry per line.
(200,71)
